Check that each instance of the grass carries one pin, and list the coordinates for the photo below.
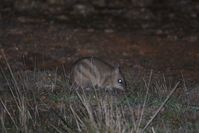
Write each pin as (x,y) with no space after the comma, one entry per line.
(41,101)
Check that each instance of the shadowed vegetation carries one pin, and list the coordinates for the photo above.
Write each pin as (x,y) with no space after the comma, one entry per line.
(41,101)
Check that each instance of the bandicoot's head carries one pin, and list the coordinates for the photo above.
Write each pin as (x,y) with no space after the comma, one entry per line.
(118,79)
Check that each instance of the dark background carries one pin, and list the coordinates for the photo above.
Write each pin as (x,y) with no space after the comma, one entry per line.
(181,14)
(146,34)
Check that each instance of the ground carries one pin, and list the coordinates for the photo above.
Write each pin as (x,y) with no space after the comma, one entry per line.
(53,45)
(172,56)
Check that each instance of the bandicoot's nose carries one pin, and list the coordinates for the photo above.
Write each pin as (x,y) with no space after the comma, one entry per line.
(120,88)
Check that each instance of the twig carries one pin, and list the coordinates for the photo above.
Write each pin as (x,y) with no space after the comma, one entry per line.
(156,113)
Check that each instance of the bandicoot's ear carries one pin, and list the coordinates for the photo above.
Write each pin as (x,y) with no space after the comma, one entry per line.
(117,68)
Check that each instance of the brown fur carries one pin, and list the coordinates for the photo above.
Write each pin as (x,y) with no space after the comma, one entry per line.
(92,72)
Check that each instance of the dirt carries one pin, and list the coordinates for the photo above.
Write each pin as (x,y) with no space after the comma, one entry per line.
(47,45)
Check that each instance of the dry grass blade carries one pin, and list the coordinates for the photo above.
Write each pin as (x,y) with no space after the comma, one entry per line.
(145,99)
(153,130)
(156,113)
(3,128)
(55,128)
(86,104)
(11,72)
(9,114)
(77,119)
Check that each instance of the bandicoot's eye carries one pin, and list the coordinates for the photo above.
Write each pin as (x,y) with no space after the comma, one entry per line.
(120,81)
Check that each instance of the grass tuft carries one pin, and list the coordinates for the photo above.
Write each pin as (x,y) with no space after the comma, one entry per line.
(42,101)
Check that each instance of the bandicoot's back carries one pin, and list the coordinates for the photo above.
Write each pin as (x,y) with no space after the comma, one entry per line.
(92,72)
